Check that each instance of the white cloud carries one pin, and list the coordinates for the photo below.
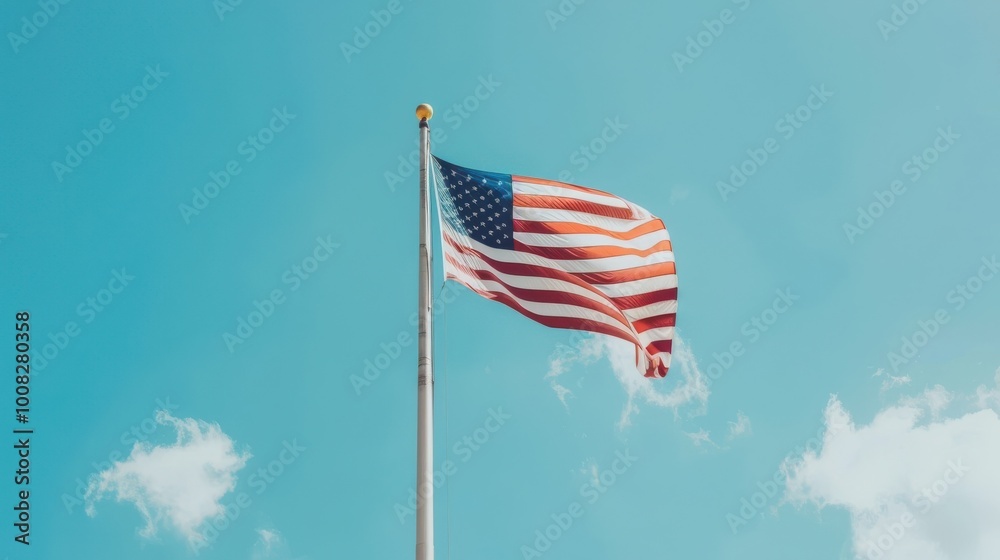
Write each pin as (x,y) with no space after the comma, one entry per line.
(181,484)
(989,397)
(740,426)
(590,470)
(892,381)
(587,350)
(268,538)
(686,383)
(700,437)
(917,486)
(270,545)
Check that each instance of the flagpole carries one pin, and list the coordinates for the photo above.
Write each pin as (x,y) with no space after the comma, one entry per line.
(425,372)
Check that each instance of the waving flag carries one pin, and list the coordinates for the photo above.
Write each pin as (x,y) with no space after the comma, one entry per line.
(565,256)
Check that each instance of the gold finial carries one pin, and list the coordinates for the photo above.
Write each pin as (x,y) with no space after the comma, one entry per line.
(425,111)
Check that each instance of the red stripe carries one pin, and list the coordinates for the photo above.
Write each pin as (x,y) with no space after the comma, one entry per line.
(572,204)
(655,322)
(551,321)
(586,279)
(545,296)
(642,300)
(660,346)
(595,252)
(563,228)
(519,269)
(521,179)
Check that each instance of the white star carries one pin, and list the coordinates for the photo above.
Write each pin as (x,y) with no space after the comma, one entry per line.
(497,214)
(497,200)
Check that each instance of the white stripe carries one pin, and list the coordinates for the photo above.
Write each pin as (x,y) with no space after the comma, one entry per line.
(550,215)
(641,243)
(524,282)
(550,190)
(651,310)
(548,309)
(637,287)
(653,335)
(584,266)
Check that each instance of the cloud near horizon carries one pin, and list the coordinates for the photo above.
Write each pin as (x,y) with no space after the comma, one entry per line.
(179,485)
(689,385)
(918,485)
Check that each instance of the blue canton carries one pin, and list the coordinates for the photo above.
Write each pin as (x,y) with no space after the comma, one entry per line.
(479,203)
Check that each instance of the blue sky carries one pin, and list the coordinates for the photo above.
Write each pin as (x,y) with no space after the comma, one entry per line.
(169,169)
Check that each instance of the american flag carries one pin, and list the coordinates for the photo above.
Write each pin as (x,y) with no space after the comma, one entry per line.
(565,256)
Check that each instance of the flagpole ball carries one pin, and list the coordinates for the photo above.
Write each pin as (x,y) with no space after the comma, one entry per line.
(425,112)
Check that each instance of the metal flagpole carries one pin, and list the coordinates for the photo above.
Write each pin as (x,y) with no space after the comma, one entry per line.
(425,372)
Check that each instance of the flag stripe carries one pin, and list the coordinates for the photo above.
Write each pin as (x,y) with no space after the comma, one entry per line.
(655,322)
(593,252)
(562,227)
(493,283)
(555,215)
(536,188)
(518,263)
(645,299)
(572,204)
(594,324)
(589,240)
(517,179)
